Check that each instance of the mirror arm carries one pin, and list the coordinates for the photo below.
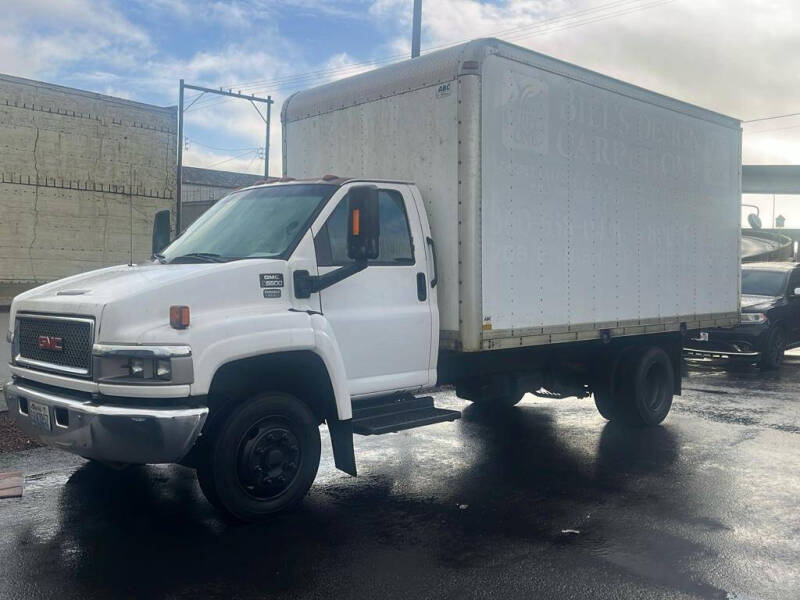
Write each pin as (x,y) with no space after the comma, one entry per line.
(306,284)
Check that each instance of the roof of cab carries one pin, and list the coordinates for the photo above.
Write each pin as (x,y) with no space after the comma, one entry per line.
(334,180)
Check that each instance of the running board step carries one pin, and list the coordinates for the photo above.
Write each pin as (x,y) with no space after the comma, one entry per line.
(387,415)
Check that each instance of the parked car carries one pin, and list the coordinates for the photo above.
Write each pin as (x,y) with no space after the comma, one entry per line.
(770,319)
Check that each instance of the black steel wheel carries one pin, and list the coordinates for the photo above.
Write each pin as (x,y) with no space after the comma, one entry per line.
(263,459)
(774,349)
(269,458)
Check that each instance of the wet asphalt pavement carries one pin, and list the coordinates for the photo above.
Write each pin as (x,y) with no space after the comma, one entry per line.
(545,500)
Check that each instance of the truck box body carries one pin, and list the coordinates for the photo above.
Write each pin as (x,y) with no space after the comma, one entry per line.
(564,205)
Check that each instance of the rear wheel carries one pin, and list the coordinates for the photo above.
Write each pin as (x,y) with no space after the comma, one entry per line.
(498,401)
(491,394)
(263,459)
(640,391)
(606,402)
(646,387)
(774,349)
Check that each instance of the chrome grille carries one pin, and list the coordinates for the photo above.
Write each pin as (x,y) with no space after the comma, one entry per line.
(74,335)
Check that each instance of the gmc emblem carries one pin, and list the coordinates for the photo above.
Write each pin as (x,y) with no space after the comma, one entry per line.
(48,342)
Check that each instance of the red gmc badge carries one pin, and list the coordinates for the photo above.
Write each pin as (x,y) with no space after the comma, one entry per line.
(48,342)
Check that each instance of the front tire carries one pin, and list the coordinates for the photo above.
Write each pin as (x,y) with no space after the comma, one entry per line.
(774,349)
(263,459)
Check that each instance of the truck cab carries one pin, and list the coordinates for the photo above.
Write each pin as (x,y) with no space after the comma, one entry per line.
(304,296)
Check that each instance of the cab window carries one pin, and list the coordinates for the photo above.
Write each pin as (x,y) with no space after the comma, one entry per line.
(396,247)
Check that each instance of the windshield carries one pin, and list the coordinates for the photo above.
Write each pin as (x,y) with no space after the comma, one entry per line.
(257,223)
(763,283)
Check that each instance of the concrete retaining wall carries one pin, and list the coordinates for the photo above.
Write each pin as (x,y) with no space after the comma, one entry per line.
(78,172)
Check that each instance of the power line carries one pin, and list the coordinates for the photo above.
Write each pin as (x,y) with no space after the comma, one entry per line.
(578,18)
(589,21)
(773,129)
(225,149)
(229,159)
(771,118)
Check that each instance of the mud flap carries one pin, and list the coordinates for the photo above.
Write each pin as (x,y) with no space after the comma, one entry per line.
(344,455)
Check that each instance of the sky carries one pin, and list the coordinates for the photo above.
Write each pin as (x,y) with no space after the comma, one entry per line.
(737,57)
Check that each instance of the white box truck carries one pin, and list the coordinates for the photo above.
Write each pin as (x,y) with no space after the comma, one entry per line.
(498,220)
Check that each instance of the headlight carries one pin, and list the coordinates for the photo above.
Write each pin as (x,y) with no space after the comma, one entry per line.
(136,367)
(143,364)
(163,369)
(752,318)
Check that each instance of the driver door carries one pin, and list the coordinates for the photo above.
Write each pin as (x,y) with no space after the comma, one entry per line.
(382,315)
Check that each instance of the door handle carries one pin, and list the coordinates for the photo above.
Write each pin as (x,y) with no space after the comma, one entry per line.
(435,279)
(422,289)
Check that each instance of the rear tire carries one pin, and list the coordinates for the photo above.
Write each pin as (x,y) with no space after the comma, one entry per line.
(263,458)
(606,403)
(492,394)
(497,402)
(774,349)
(646,384)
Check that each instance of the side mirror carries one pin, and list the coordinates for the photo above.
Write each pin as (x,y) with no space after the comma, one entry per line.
(363,223)
(161,231)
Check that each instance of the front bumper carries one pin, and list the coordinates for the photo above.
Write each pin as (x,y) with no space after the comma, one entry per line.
(121,434)
(721,355)
(742,343)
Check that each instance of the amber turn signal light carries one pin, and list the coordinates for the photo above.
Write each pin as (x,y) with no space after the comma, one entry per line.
(179,317)
(356,222)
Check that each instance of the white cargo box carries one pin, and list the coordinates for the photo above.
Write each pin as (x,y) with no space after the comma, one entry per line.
(565,205)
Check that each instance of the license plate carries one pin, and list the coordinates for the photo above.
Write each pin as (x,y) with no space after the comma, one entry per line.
(39,415)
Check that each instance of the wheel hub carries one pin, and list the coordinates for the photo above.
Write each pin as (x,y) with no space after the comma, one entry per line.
(269,459)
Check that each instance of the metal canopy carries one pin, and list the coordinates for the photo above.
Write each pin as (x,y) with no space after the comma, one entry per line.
(771,179)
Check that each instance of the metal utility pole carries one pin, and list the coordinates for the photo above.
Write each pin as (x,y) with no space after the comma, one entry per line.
(220,92)
(773,211)
(179,178)
(416,28)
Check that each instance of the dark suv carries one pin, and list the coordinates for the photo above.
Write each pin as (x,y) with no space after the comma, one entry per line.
(770,320)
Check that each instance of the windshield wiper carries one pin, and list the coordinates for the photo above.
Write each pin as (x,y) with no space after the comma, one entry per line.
(200,257)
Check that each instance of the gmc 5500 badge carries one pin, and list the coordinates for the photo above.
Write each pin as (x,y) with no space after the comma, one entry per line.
(271,280)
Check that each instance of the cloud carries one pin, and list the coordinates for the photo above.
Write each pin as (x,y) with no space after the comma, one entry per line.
(40,37)
(746,64)
(738,57)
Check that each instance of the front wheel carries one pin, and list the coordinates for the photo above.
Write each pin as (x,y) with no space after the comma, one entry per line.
(263,458)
